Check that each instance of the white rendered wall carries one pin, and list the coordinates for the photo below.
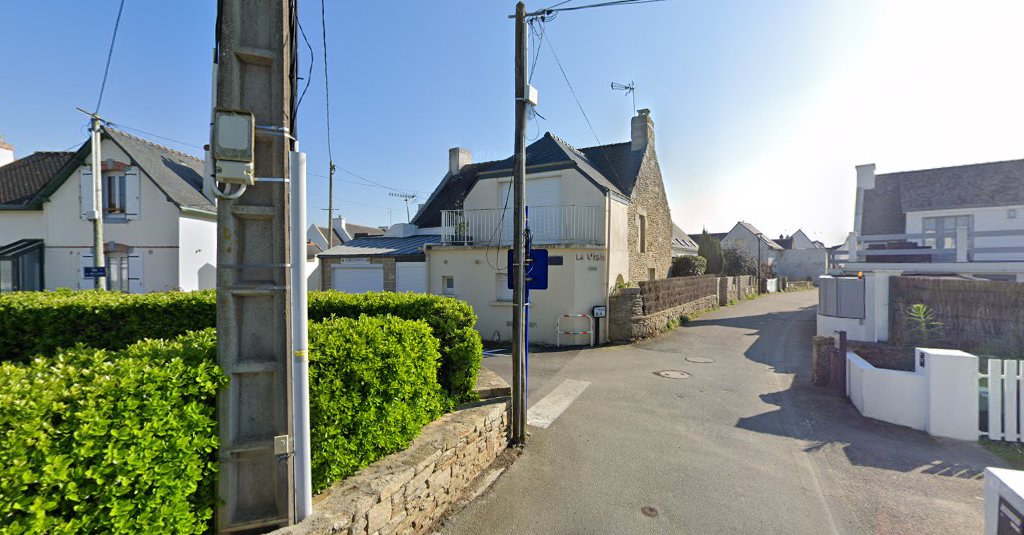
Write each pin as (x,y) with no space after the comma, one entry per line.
(993,218)
(21,224)
(197,252)
(894,396)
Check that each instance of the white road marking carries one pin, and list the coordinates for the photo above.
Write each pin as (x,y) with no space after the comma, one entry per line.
(544,412)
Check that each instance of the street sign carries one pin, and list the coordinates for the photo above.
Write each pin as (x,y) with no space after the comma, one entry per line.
(95,272)
(536,270)
(600,311)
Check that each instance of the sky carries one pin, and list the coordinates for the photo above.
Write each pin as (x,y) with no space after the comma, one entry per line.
(761,109)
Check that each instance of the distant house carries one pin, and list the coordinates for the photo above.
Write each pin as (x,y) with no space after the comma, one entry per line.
(317,243)
(682,243)
(796,257)
(159,227)
(601,212)
(746,238)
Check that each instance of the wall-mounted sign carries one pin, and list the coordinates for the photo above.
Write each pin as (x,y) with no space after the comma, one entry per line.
(592,257)
(95,272)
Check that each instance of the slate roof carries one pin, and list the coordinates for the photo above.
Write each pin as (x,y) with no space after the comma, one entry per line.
(357,231)
(178,175)
(323,232)
(753,230)
(681,239)
(381,246)
(611,167)
(21,179)
(785,243)
(962,186)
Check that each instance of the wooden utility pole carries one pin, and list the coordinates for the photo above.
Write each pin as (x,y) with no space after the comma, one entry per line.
(254,74)
(519,224)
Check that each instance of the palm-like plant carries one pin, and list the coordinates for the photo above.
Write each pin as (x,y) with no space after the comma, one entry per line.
(923,325)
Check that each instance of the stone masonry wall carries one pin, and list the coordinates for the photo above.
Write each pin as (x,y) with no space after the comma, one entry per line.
(408,491)
(649,200)
(627,321)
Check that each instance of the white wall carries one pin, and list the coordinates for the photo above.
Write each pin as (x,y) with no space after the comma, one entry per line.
(618,241)
(898,397)
(197,252)
(993,218)
(21,224)
(798,264)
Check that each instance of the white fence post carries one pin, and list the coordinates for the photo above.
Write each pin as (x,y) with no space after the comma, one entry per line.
(1010,431)
(995,399)
(952,378)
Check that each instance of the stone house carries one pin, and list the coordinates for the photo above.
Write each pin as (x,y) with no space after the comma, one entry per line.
(600,211)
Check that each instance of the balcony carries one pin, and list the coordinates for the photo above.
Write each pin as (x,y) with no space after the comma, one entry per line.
(551,225)
(960,250)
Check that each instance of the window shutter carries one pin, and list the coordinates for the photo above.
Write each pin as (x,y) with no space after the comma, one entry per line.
(133,189)
(87,198)
(503,293)
(135,273)
(84,261)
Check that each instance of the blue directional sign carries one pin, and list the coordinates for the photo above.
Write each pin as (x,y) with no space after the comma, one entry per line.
(536,270)
(95,272)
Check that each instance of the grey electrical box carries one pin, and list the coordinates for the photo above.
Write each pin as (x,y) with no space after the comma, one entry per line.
(234,136)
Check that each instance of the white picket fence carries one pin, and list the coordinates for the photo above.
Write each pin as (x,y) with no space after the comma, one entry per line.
(1005,402)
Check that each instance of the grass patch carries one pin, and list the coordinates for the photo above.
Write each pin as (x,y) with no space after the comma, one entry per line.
(1011,452)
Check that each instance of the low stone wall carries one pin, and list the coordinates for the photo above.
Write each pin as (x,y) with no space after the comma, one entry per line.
(407,492)
(627,321)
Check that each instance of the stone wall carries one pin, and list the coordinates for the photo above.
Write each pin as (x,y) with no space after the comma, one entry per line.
(649,200)
(407,492)
(735,288)
(627,320)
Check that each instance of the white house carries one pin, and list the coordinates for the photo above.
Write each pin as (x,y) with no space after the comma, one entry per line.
(601,212)
(965,221)
(159,228)
(796,257)
(746,238)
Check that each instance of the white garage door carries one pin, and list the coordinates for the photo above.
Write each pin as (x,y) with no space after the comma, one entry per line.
(411,277)
(358,278)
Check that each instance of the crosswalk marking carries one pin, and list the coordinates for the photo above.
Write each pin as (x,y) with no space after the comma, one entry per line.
(544,412)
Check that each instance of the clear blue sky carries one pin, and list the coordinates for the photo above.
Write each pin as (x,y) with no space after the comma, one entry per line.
(761,109)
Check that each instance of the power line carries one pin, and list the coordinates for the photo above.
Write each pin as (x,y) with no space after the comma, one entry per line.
(555,9)
(158,136)
(309,75)
(327,85)
(368,184)
(573,91)
(110,54)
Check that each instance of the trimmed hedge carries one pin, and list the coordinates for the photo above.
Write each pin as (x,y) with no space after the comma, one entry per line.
(94,441)
(40,323)
(373,386)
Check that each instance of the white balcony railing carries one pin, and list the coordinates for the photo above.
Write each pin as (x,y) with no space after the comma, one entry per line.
(549,224)
(962,245)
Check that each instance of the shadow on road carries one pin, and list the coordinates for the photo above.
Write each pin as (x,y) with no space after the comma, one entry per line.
(821,417)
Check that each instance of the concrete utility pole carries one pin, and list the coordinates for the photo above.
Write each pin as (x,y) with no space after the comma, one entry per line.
(519,223)
(330,208)
(99,258)
(254,332)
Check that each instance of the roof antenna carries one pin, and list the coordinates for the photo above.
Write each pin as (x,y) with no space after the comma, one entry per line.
(629,88)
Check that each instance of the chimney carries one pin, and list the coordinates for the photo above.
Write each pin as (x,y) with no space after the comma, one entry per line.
(6,153)
(458,158)
(641,130)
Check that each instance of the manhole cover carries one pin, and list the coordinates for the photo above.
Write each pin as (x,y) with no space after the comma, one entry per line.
(700,360)
(672,374)
(649,511)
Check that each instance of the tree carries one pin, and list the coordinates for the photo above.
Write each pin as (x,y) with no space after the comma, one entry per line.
(738,262)
(710,249)
(688,266)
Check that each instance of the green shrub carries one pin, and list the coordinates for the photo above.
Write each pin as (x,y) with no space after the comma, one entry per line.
(373,386)
(40,323)
(94,441)
(738,262)
(453,323)
(688,266)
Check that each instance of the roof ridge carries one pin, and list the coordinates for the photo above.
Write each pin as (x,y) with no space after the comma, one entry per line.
(1016,160)
(605,145)
(157,145)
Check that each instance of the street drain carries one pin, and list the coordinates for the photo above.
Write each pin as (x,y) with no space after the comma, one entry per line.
(649,511)
(700,360)
(672,374)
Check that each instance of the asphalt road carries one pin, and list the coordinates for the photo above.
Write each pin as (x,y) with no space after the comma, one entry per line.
(745,444)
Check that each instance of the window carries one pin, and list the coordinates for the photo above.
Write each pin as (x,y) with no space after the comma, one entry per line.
(555,260)
(117,272)
(651,274)
(115,198)
(502,291)
(643,234)
(940,232)
(448,285)
(6,275)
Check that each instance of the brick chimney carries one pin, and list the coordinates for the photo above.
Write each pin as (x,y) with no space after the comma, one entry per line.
(6,153)
(641,130)
(458,158)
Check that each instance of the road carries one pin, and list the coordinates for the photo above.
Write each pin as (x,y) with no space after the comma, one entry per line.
(745,444)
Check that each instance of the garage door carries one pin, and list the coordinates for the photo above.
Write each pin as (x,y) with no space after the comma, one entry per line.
(411,277)
(358,278)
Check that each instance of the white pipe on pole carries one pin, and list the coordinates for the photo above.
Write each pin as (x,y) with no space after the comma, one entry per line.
(300,343)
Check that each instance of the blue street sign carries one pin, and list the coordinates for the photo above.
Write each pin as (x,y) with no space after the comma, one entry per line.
(536,270)
(95,272)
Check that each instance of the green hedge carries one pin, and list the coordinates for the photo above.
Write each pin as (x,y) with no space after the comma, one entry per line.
(372,387)
(40,323)
(93,441)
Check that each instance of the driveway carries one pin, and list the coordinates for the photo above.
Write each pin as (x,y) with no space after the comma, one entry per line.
(744,444)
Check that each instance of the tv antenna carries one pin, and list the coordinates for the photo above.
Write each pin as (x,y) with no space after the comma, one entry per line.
(405,197)
(629,88)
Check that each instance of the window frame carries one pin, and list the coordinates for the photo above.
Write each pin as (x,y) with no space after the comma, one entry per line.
(115,195)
